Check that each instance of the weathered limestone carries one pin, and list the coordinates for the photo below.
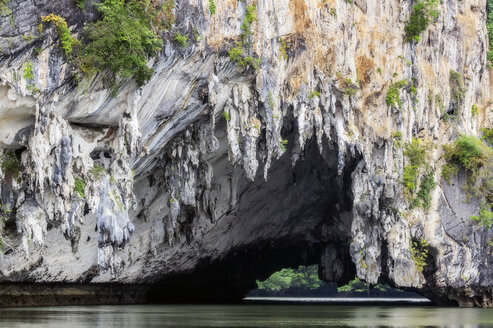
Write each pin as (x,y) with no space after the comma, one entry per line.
(188,179)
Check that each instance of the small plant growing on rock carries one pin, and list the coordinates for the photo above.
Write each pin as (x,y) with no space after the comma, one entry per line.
(476,158)
(4,9)
(489,27)
(421,16)
(468,152)
(11,164)
(427,185)
(29,37)
(250,17)
(226,116)
(97,171)
(417,161)
(212,7)
(80,187)
(67,41)
(487,135)
(181,39)
(283,49)
(474,110)
(28,71)
(457,89)
(349,87)
(485,217)
(393,97)
(80,3)
(419,253)
(314,94)
(283,143)
(125,54)
(237,53)
(397,139)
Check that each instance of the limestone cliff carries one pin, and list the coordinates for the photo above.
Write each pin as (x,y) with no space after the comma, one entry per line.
(214,174)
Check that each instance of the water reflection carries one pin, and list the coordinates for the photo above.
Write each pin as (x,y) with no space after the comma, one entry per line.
(243,316)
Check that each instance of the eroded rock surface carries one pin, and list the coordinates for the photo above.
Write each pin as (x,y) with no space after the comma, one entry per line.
(213,175)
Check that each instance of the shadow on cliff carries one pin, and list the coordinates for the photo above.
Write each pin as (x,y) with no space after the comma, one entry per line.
(289,220)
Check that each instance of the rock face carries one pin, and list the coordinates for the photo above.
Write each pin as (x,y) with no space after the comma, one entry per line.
(212,175)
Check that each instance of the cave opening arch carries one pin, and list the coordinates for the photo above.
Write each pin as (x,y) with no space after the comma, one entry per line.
(301,215)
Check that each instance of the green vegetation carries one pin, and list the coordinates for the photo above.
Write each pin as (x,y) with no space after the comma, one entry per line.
(11,164)
(487,135)
(97,171)
(4,9)
(314,94)
(474,110)
(413,90)
(283,143)
(419,253)
(27,72)
(485,217)
(67,41)
(226,116)
(456,87)
(29,37)
(354,285)
(237,53)
(80,3)
(397,139)
(410,176)
(303,277)
(423,197)
(350,88)
(254,62)
(468,152)
(212,7)
(124,37)
(118,201)
(417,158)
(283,49)
(246,26)
(423,13)
(416,154)
(476,158)
(165,15)
(80,187)
(358,286)
(393,97)
(489,27)
(181,39)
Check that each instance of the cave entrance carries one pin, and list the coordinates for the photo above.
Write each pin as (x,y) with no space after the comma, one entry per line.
(300,215)
(304,281)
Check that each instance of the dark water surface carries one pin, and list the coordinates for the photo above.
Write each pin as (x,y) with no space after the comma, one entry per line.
(248,315)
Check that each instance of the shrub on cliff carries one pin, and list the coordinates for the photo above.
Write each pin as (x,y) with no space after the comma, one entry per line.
(67,41)
(421,16)
(417,163)
(489,27)
(476,158)
(123,38)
